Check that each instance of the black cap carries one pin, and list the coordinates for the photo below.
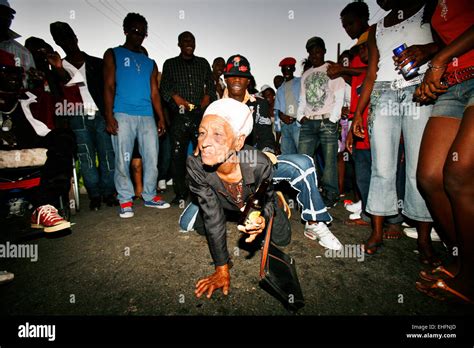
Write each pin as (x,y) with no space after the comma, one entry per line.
(315,42)
(60,29)
(6,5)
(237,65)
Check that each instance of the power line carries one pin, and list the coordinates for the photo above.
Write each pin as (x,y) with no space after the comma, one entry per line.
(104,14)
(114,11)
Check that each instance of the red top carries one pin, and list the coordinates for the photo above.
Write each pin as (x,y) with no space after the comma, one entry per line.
(356,88)
(450,19)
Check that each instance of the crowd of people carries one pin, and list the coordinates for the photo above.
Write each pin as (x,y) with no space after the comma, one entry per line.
(393,128)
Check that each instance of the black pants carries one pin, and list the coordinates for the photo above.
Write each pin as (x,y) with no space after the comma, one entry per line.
(184,129)
(57,171)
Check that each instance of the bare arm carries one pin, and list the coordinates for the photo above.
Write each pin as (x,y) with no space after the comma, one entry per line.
(367,87)
(109,91)
(431,85)
(156,101)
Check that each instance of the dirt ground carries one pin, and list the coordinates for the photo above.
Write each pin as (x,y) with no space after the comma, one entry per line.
(144,266)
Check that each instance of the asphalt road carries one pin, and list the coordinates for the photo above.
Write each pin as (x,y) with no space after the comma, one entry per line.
(145,266)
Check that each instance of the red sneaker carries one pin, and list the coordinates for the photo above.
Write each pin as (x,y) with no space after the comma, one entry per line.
(47,217)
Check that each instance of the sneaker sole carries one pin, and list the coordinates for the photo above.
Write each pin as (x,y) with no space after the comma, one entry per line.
(59,227)
(327,247)
(126,215)
(164,206)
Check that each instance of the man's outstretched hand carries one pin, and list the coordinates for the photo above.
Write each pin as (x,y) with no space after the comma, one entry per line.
(220,279)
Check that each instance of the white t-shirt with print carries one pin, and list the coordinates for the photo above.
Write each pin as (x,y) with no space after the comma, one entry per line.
(320,95)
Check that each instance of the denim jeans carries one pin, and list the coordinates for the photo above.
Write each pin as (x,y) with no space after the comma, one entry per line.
(322,132)
(290,135)
(362,164)
(299,171)
(93,140)
(144,129)
(391,113)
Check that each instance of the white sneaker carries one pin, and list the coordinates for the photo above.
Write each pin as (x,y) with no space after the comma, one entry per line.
(412,233)
(355,216)
(162,184)
(169,182)
(321,232)
(354,207)
(6,277)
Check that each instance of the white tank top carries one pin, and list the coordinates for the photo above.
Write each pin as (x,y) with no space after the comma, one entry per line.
(410,32)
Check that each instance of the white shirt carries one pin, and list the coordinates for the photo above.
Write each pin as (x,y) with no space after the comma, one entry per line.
(79,78)
(320,95)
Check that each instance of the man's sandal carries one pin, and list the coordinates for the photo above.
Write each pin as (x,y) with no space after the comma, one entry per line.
(438,273)
(439,290)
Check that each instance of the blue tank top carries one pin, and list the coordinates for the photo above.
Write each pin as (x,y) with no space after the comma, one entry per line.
(133,72)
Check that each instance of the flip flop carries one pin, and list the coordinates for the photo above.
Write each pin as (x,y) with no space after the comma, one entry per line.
(438,273)
(372,248)
(439,290)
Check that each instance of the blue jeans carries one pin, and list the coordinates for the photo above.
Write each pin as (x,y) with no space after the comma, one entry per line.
(391,113)
(290,135)
(322,132)
(144,129)
(94,141)
(362,164)
(299,171)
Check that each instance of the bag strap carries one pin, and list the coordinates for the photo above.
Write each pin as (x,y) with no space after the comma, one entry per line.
(266,245)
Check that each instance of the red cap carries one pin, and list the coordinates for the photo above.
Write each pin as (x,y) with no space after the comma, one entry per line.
(288,61)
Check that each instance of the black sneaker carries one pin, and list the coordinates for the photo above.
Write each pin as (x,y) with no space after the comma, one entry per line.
(111,201)
(330,202)
(178,199)
(94,204)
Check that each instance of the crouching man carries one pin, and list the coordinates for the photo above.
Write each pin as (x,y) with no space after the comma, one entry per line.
(222,178)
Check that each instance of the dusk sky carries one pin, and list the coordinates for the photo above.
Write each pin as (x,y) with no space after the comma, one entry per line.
(265,31)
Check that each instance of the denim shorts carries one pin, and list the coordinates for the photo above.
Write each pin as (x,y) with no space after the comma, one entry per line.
(455,101)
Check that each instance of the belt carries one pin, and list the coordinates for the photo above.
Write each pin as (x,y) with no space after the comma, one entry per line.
(458,76)
(318,117)
(402,83)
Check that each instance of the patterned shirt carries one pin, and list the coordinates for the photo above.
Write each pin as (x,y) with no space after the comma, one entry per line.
(320,95)
(190,79)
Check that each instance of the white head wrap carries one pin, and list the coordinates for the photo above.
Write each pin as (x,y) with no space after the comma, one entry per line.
(237,114)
